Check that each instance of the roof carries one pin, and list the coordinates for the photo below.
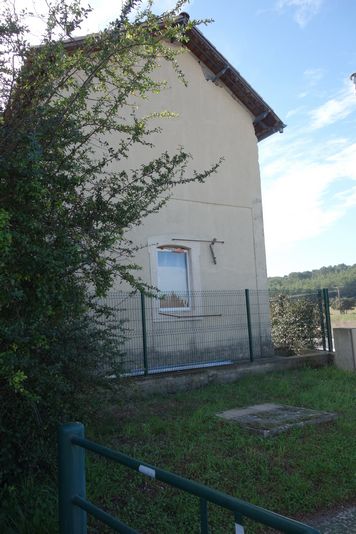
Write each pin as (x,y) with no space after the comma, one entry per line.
(265,122)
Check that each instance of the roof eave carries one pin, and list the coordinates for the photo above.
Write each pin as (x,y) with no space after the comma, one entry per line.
(206,52)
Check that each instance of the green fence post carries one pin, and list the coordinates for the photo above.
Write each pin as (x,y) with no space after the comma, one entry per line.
(144,333)
(249,327)
(204,522)
(71,479)
(321,315)
(327,319)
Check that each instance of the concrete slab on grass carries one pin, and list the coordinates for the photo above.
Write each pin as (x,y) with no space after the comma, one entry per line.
(271,419)
(341,522)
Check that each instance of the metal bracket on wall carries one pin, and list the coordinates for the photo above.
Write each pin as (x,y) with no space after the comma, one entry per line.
(219,74)
(211,246)
(211,242)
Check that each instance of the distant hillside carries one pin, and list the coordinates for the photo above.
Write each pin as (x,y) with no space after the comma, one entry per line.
(338,276)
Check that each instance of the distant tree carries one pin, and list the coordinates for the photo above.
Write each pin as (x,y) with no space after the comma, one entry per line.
(333,276)
(343,304)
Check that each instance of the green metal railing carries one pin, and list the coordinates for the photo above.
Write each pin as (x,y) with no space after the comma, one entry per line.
(74,507)
(218,328)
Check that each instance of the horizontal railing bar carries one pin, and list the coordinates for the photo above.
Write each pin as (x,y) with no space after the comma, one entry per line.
(104,517)
(190,316)
(252,511)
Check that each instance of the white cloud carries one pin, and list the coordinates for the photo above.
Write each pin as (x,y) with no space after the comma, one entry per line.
(304,10)
(306,192)
(298,204)
(308,177)
(293,207)
(313,76)
(161,6)
(348,197)
(103,12)
(294,111)
(334,110)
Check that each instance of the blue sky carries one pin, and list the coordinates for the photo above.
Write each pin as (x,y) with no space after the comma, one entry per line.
(298,54)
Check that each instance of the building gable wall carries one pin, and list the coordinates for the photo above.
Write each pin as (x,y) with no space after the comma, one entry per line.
(211,123)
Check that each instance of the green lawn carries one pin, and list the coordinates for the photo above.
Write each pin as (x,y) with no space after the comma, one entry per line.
(347,319)
(298,473)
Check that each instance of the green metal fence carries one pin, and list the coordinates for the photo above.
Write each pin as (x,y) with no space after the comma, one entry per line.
(74,507)
(209,328)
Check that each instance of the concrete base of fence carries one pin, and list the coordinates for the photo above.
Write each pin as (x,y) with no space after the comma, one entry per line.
(345,348)
(196,378)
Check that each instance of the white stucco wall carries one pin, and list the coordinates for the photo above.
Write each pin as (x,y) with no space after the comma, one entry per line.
(211,124)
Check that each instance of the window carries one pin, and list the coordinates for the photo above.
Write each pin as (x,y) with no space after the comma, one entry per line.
(173,277)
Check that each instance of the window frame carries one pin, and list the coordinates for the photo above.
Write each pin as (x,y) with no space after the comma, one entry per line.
(187,253)
(193,246)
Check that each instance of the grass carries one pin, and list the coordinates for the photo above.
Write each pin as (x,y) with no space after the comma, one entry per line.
(301,472)
(347,319)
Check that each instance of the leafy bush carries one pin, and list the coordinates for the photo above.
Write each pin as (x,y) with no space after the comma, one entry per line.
(68,199)
(31,507)
(60,382)
(295,324)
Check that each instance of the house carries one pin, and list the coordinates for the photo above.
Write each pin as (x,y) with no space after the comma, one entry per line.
(207,244)
(209,237)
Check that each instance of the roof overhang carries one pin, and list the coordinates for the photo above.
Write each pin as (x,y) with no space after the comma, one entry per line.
(265,121)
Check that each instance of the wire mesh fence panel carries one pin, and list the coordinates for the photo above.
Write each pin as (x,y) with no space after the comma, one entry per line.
(196,329)
(207,328)
(126,311)
(260,315)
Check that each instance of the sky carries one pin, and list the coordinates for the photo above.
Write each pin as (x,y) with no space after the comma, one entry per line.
(298,55)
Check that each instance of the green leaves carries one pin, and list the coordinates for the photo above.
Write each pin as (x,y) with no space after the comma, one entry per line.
(68,196)
(5,234)
(296,323)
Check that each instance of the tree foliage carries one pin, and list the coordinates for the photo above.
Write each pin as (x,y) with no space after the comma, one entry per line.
(296,323)
(343,304)
(69,121)
(338,277)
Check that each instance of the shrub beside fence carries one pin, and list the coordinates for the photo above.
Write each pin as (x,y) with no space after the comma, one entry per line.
(210,328)
(300,322)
